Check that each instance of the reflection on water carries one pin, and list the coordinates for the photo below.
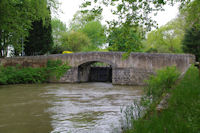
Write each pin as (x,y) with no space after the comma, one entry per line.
(63,108)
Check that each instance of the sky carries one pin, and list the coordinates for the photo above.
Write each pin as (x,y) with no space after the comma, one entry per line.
(69,7)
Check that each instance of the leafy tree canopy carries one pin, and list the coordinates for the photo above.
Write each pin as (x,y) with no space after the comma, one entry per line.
(125,39)
(192,14)
(134,19)
(96,32)
(39,40)
(191,41)
(58,27)
(130,12)
(75,41)
(166,39)
(81,18)
(16,19)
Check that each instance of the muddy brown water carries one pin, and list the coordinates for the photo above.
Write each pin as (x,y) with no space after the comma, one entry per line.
(64,108)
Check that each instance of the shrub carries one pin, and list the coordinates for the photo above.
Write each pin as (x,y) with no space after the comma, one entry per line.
(161,82)
(19,75)
(56,68)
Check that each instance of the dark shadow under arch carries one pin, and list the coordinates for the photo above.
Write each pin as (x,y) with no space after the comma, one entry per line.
(89,73)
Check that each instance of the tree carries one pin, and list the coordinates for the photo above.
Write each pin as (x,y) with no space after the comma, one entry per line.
(125,39)
(192,14)
(89,24)
(58,28)
(16,19)
(130,13)
(166,39)
(75,41)
(40,39)
(81,18)
(191,42)
(96,33)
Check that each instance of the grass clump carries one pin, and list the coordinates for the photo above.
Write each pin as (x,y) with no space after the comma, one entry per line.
(183,112)
(25,75)
(161,82)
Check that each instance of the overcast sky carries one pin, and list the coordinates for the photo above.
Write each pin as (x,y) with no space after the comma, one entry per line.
(69,8)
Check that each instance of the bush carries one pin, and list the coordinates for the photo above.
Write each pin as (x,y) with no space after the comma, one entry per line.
(19,75)
(161,82)
(15,75)
(56,68)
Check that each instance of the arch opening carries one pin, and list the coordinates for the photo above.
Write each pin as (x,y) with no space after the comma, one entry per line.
(95,71)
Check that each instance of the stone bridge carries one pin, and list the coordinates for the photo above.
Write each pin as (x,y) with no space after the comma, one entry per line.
(131,71)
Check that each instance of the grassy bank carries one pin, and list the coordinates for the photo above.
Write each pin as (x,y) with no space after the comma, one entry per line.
(25,75)
(183,112)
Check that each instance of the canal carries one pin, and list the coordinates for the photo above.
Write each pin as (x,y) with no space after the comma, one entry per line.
(64,108)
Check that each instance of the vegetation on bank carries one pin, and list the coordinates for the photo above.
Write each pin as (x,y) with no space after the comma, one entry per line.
(25,75)
(182,114)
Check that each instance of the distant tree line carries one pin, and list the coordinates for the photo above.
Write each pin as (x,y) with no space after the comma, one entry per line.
(27,29)
(85,33)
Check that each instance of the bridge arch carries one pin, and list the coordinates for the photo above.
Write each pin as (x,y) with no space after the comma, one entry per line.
(89,73)
(97,60)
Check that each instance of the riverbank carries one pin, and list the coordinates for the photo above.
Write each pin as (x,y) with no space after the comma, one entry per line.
(26,75)
(182,114)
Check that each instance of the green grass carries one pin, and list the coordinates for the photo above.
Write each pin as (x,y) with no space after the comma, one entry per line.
(182,114)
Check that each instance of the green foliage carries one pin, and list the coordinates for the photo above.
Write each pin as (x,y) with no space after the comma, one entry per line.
(192,12)
(157,86)
(16,75)
(96,33)
(58,27)
(16,20)
(75,41)
(127,39)
(131,12)
(183,112)
(161,82)
(166,39)
(39,40)
(80,19)
(56,68)
(123,32)
(57,49)
(88,24)
(191,42)
(19,75)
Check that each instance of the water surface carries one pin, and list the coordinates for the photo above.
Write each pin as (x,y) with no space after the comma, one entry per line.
(64,108)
